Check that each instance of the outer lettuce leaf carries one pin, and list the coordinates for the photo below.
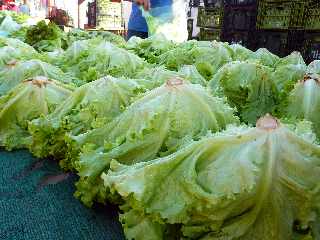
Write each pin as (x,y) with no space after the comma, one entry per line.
(245,183)
(150,48)
(156,76)
(207,57)
(16,74)
(240,53)
(92,105)
(304,102)
(8,25)
(27,101)
(9,54)
(265,57)
(106,59)
(190,73)
(285,78)
(314,67)
(294,58)
(248,86)
(157,124)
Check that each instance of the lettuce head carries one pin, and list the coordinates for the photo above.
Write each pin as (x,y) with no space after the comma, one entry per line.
(243,183)
(27,101)
(89,106)
(157,124)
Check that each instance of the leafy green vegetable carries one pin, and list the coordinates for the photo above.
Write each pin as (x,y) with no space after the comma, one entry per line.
(29,100)
(244,183)
(157,124)
(240,53)
(206,57)
(150,48)
(249,87)
(46,37)
(92,105)
(265,57)
(103,59)
(21,71)
(314,67)
(304,102)
(294,58)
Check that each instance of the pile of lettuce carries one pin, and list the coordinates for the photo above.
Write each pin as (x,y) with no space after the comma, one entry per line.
(192,140)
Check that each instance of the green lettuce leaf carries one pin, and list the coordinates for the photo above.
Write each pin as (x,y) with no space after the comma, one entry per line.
(294,58)
(314,67)
(150,48)
(244,183)
(89,106)
(29,100)
(15,74)
(104,59)
(157,124)
(265,57)
(249,87)
(304,102)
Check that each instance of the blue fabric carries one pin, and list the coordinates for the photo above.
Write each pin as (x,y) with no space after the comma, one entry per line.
(137,21)
(132,33)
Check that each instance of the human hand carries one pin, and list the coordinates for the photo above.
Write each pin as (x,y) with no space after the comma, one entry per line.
(144,3)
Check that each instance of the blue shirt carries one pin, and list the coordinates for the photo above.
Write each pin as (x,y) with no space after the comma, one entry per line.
(137,22)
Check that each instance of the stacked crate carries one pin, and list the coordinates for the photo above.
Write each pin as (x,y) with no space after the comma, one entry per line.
(109,15)
(281,25)
(311,44)
(239,24)
(233,21)
(210,20)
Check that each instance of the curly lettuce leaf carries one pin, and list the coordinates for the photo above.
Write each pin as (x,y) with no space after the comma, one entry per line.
(314,67)
(150,48)
(21,71)
(265,57)
(90,106)
(244,183)
(157,124)
(27,101)
(304,102)
(248,86)
(105,59)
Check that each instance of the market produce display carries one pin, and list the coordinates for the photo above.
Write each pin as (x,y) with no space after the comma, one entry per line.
(194,140)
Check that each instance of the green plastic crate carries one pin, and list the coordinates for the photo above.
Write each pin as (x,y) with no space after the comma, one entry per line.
(209,34)
(313,17)
(210,18)
(282,15)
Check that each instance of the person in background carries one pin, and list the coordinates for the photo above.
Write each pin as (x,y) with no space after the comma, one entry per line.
(137,25)
(24,8)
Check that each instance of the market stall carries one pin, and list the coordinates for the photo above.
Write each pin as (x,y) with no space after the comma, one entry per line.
(208,138)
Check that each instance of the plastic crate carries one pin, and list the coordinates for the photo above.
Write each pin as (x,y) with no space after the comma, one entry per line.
(275,41)
(282,15)
(311,48)
(210,18)
(313,17)
(208,34)
(213,3)
(236,3)
(240,18)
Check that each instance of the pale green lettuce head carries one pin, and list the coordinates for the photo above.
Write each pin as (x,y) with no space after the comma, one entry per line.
(304,102)
(20,71)
(157,124)
(27,101)
(248,86)
(244,183)
(89,106)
